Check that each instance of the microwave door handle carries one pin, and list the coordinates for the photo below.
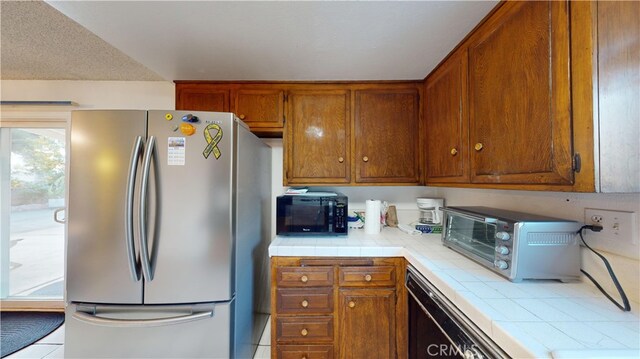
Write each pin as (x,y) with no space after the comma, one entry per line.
(134,265)
(144,245)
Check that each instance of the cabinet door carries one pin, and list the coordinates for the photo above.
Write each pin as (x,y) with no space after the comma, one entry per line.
(317,137)
(367,323)
(519,96)
(386,136)
(260,108)
(202,99)
(447,125)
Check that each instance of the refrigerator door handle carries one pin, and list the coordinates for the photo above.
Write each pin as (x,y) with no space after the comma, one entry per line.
(144,245)
(134,265)
(112,322)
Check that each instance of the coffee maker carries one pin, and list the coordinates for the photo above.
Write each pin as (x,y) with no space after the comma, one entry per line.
(430,210)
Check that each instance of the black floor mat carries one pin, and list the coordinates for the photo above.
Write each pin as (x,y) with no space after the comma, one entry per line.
(21,329)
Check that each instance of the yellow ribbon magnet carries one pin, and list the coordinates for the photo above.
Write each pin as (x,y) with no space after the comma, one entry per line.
(212,141)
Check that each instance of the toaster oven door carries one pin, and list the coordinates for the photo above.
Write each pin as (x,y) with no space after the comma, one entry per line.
(473,236)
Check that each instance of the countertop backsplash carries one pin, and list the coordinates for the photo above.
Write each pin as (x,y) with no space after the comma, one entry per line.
(565,205)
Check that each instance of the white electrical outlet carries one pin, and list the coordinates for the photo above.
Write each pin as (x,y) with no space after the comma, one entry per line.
(618,230)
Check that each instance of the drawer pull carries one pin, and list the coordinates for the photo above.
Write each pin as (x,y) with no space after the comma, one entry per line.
(242,117)
(367,277)
(304,332)
(340,159)
(478,146)
(454,152)
(304,279)
(304,303)
(365,159)
(352,304)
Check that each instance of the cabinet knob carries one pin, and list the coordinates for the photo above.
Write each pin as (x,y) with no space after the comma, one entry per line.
(454,152)
(365,159)
(340,159)
(367,277)
(242,117)
(304,279)
(304,332)
(478,146)
(352,304)
(304,303)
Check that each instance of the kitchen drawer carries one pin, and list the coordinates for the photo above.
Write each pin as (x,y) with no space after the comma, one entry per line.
(305,329)
(304,351)
(373,276)
(305,300)
(304,276)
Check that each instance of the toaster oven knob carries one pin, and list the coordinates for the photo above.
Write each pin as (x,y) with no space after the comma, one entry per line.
(503,236)
(500,264)
(502,250)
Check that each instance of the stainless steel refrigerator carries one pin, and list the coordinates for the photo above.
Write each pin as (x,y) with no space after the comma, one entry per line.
(167,235)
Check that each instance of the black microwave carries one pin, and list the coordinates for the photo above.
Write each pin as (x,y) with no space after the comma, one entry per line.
(312,213)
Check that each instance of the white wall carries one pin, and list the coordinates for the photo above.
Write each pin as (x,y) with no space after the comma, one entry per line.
(136,95)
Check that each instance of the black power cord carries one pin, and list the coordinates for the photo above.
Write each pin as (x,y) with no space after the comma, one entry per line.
(625,301)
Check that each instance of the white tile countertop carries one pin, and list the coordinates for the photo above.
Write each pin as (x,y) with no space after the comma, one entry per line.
(531,319)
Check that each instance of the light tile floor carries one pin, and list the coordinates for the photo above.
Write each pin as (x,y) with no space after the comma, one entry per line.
(52,346)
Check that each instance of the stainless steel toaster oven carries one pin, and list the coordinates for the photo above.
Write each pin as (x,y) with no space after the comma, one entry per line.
(513,244)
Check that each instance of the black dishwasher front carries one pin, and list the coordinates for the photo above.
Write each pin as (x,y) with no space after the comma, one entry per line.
(437,329)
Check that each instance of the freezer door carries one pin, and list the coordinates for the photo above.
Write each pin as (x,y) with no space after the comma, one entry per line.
(186,331)
(189,208)
(98,256)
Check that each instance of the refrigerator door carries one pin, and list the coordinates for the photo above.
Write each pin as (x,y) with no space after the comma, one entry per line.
(189,205)
(101,263)
(173,331)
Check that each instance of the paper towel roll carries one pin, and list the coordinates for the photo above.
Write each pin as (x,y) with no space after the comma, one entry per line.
(372,216)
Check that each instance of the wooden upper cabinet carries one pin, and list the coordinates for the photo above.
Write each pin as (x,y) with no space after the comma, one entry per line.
(447,122)
(259,108)
(519,95)
(202,98)
(316,146)
(386,135)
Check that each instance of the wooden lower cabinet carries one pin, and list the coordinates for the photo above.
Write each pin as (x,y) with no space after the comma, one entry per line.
(367,323)
(303,329)
(304,351)
(338,308)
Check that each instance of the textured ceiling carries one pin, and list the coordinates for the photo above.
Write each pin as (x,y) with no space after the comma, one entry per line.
(37,42)
(232,40)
